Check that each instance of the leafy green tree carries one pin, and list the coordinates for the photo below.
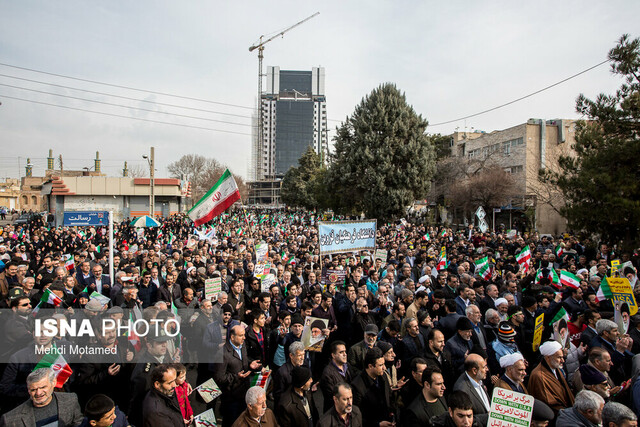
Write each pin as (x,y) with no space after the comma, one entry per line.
(442,144)
(383,160)
(601,183)
(300,184)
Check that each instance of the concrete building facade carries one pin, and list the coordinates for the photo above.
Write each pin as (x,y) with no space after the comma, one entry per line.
(126,197)
(522,151)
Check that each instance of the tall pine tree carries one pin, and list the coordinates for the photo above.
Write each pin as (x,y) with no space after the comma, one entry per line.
(383,159)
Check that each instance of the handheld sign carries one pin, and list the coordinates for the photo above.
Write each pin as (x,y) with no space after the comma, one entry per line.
(537,332)
(212,287)
(510,409)
(619,289)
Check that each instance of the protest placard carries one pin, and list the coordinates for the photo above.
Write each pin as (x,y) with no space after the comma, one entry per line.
(510,408)
(312,336)
(101,298)
(346,236)
(619,289)
(266,282)
(262,269)
(262,250)
(537,332)
(205,419)
(212,287)
(334,276)
(208,390)
(382,255)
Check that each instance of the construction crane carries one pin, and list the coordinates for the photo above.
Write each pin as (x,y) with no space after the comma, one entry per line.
(260,47)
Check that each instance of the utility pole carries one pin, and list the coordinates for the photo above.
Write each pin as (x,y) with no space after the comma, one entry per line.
(152,165)
(152,200)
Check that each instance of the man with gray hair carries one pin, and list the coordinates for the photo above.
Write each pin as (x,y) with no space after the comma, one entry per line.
(586,411)
(616,414)
(618,346)
(282,378)
(257,413)
(491,322)
(44,407)
(217,307)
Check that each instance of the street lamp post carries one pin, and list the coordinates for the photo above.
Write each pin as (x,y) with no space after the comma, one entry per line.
(152,200)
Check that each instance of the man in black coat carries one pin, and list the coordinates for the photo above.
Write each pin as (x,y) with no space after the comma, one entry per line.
(371,390)
(160,407)
(154,355)
(447,324)
(429,402)
(296,407)
(282,377)
(232,375)
(343,413)
(437,356)
(336,372)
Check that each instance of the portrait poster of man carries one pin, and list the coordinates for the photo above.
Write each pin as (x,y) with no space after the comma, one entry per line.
(621,316)
(312,334)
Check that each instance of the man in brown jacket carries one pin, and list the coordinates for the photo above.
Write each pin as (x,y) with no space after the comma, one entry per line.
(547,381)
(257,413)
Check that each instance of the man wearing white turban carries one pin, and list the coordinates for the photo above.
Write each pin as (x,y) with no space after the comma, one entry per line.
(547,381)
(515,371)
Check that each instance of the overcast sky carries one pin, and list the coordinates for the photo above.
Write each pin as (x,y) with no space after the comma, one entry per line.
(451,58)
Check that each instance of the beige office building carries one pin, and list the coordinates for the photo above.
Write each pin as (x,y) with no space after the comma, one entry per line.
(523,150)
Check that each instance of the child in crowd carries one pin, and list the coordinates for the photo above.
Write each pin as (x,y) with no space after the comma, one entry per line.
(183,389)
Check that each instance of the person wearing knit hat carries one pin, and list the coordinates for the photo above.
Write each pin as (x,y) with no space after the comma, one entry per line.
(296,406)
(541,415)
(391,373)
(547,381)
(504,345)
(595,380)
(515,371)
(460,345)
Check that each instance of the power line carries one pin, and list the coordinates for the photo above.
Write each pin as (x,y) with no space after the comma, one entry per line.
(124,106)
(125,97)
(130,88)
(124,117)
(521,98)
(126,87)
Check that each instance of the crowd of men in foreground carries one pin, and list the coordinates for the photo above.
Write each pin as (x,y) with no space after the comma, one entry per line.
(406,343)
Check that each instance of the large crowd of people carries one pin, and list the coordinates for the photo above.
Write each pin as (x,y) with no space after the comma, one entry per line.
(418,332)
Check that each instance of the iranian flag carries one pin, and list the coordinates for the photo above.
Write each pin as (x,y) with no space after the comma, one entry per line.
(568,279)
(561,314)
(554,279)
(426,237)
(604,291)
(132,336)
(443,233)
(559,252)
(260,379)
(221,196)
(69,264)
(56,362)
(523,257)
(48,297)
(442,262)
(483,269)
